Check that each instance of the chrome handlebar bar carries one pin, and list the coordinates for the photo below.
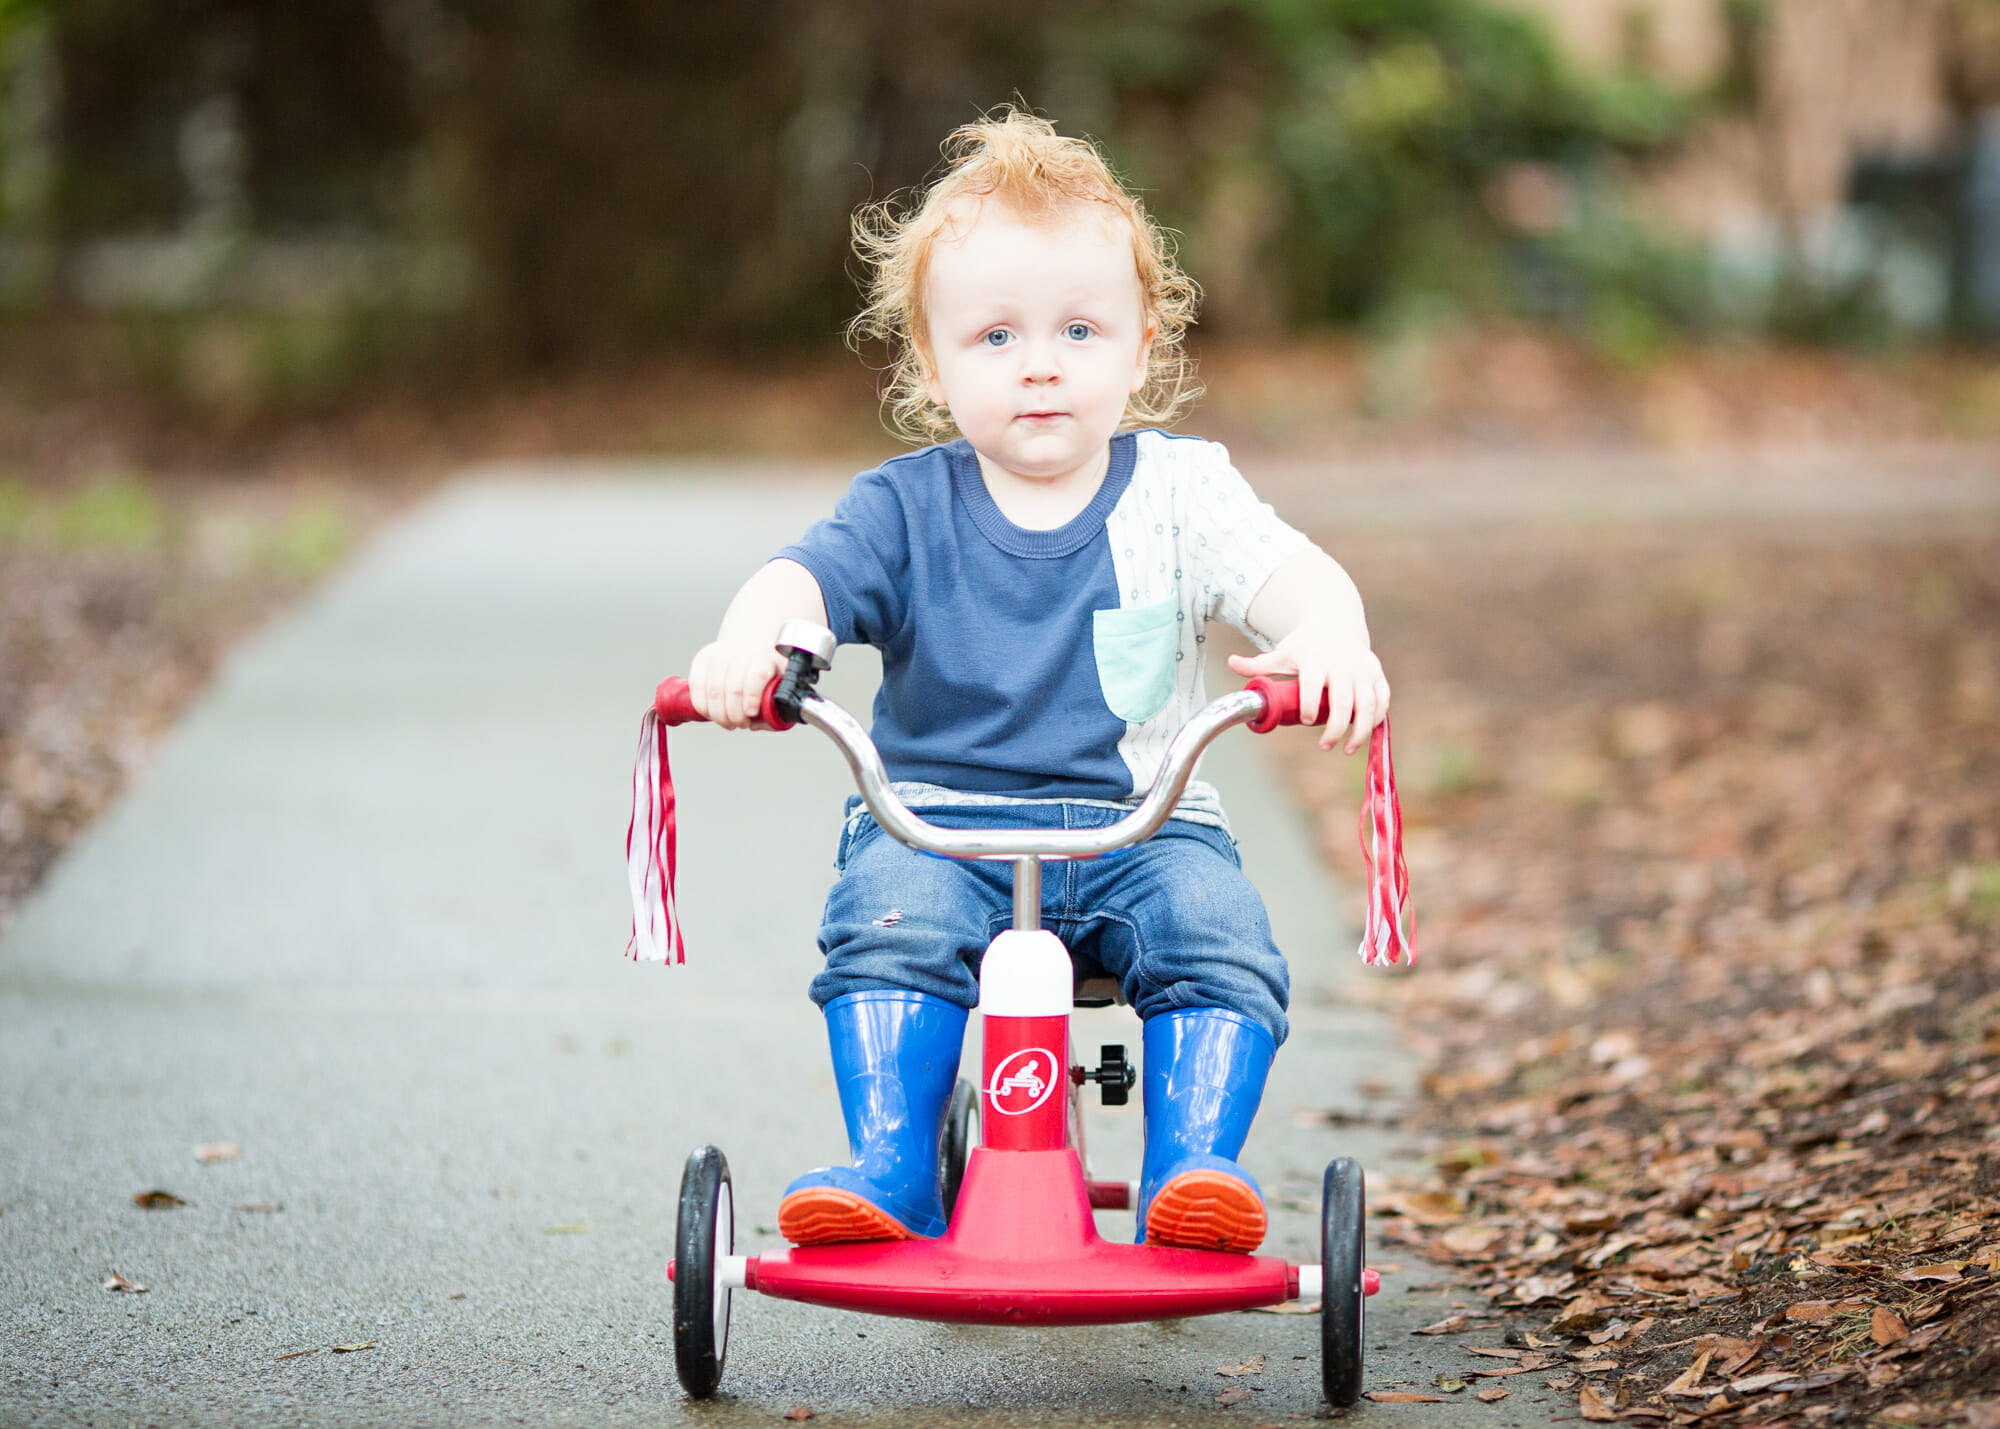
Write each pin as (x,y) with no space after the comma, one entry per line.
(897,819)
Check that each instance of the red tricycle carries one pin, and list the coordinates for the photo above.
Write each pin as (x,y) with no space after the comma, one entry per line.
(1020,1246)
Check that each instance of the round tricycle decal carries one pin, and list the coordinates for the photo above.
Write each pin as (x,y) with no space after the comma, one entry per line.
(1022,1081)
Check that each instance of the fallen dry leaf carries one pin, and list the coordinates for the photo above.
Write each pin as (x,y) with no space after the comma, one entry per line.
(1691,1376)
(1235,1394)
(1594,1406)
(298,1354)
(1886,1327)
(1402,1396)
(1944,1270)
(1735,1353)
(1493,1350)
(799,1413)
(1449,1383)
(1253,1365)
(1759,1383)
(578,1229)
(1585,1312)
(1801,1383)
(261,1208)
(357,1345)
(1905,1410)
(1471,1240)
(1449,1326)
(210,1152)
(1982,1414)
(1289,1307)
(1492,1394)
(119,1285)
(1537,1288)
(156,1200)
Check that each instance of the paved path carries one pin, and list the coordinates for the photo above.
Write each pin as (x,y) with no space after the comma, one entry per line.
(363,919)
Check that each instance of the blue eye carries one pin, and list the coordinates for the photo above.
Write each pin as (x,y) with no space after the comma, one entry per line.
(996,338)
(1077,332)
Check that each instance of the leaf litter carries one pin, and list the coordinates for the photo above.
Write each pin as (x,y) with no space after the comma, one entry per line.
(1708,888)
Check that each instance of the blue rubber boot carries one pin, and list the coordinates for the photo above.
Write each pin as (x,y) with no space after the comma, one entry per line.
(895,1058)
(1204,1076)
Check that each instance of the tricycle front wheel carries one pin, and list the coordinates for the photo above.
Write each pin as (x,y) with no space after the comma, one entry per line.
(704,1233)
(1342,1222)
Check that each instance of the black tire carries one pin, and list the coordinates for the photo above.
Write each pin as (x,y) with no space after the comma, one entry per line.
(1342,1225)
(704,1232)
(956,1143)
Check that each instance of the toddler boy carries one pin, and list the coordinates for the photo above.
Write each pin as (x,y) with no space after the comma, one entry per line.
(1038,589)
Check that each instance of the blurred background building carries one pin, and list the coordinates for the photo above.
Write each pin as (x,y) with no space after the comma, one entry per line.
(284,197)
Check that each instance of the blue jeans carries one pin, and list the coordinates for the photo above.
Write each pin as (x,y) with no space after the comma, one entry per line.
(1173,920)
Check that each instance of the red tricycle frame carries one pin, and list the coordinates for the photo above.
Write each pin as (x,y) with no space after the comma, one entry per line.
(1022,1245)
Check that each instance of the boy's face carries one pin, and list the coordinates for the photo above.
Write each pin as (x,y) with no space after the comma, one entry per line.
(1037,335)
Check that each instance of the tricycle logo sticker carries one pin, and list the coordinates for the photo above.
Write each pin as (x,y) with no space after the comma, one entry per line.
(1022,1081)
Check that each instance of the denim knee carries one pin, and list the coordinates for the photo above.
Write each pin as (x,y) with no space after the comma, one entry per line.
(1195,930)
(896,918)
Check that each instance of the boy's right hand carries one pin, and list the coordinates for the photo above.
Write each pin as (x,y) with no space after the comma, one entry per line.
(726,682)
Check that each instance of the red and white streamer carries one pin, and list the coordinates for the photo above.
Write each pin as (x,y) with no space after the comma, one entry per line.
(649,851)
(1388,932)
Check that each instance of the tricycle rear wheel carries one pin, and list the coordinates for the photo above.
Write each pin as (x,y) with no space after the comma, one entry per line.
(956,1143)
(1342,1222)
(704,1233)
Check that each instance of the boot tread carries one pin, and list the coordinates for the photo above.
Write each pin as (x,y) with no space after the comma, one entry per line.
(827,1215)
(1206,1210)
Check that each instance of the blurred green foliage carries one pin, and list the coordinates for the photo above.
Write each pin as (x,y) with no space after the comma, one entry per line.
(313,535)
(120,515)
(633,174)
(112,514)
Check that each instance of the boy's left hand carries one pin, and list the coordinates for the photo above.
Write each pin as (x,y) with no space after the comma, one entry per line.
(1331,665)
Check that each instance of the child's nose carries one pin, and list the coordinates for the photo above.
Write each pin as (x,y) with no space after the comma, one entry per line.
(1041,363)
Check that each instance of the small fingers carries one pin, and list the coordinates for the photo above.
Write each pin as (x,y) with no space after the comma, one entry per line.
(1371,707)
(1314,696)
(1365,714)
(697,678)
(1271,662)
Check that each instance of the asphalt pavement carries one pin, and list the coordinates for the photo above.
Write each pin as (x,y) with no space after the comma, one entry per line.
(363,919)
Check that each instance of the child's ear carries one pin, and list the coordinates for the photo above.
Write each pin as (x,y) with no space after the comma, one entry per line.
(927,370)
(1140,372)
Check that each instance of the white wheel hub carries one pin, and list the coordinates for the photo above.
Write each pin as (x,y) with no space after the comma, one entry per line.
(719,1281)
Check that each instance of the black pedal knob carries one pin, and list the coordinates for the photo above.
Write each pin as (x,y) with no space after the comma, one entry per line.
(1115,1077)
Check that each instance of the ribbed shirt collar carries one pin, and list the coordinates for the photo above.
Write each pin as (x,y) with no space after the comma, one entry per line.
(1073,535)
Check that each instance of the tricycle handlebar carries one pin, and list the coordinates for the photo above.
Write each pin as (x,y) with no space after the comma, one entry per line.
(901,824)
(1263,704)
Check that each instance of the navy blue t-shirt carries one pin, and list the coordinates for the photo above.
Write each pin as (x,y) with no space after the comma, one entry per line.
(1040,664)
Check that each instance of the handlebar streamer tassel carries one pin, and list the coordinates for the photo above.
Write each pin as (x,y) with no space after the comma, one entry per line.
(1388,930)
(649,851)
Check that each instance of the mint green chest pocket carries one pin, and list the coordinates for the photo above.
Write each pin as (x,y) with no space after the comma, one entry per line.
(1135,657)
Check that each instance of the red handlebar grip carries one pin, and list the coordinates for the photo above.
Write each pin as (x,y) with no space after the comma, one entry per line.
(1281,704)
(673,703)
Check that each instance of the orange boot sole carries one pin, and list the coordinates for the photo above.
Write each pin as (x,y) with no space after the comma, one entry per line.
(1206,1210)
(826,1215)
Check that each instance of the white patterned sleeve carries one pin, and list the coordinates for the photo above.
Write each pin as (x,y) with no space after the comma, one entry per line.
(1238,539)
